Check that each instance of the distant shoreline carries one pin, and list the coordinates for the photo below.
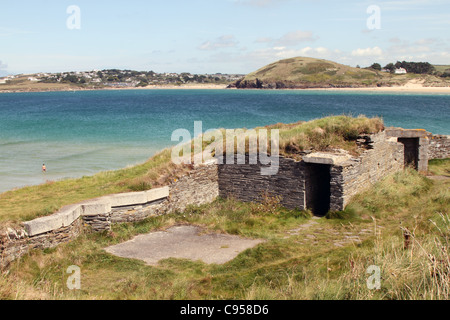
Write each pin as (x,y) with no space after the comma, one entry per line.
(151,87)
(408,88)
(404,89)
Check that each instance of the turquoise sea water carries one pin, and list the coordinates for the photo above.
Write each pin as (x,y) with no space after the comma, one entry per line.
(80,133)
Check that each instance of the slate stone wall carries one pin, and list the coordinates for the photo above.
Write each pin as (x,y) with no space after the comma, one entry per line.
(244,182)
(14,243)
(205,183)
(358,174)
(199,187)
(439,147)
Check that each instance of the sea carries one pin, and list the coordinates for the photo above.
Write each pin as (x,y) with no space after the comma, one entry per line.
(80,133)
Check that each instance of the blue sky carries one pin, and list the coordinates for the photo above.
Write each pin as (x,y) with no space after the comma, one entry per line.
(208,36)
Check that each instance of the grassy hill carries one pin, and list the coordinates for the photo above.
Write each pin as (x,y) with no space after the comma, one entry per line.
(441,67)
(36,201)
(400,225)
(23,84)
(303,72)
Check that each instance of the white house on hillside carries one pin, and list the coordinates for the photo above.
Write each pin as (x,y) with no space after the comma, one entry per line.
(400,71)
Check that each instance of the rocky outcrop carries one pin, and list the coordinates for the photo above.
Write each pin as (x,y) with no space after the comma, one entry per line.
(261,84)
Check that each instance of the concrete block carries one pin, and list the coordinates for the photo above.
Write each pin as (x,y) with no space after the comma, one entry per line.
(407,133)
(69,214)
(157,194)
(128,199)
(43,225)
(101,206)
(326,158)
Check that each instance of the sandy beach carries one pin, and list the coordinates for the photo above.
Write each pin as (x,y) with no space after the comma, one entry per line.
(184,86)
(411,87)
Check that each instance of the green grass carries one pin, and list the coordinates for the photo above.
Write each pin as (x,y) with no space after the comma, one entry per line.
(314,71)
(36,201)
(22,84)
(303,71)
(441,68)
(439,167)
(302,265)
(337,132)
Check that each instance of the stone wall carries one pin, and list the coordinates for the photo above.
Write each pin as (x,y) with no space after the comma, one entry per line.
(244,182)
(419,140)
(385,156)
(14,243)
(348,175)
(199,187)
(439,147)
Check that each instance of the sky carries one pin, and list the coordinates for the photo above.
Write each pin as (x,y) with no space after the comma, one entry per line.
(209,36)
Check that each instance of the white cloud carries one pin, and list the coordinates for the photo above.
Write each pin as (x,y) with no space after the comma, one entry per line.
(3,71)
(225,41)
(295,37)
(289,39)
(264,40)
(367,52)
(426,41)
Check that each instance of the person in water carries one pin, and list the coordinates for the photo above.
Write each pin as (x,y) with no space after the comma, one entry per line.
(44,168)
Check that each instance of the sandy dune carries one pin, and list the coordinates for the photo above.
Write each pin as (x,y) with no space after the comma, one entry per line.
(413,86)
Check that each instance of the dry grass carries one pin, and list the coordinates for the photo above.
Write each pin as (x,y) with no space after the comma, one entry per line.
(23,85)
(337,132)
(409,241)
(36,201)
(310,72)
(325,134)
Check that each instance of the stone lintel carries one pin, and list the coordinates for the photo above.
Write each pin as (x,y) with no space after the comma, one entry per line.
(407,133)
(326,158)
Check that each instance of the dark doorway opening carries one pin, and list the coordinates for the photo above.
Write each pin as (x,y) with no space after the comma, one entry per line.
(318,188)
(411,151)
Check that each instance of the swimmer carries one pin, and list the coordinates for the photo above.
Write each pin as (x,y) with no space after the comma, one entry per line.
(44,168)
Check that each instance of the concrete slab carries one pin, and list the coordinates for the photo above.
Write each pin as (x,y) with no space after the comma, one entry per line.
(157,194)
(183,242)
(43,225)
(127,199)
(69,214)
(63,218)
(407,133)
(326,158)
(97,207)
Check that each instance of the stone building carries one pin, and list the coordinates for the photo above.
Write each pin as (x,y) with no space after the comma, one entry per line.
(325,181)
(320,181)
